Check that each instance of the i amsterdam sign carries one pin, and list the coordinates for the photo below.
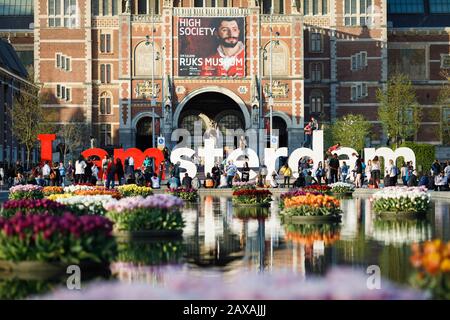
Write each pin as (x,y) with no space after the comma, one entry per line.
(210,154)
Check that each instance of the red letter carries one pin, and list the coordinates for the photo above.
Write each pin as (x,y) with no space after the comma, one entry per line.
(139,156)
(46,146)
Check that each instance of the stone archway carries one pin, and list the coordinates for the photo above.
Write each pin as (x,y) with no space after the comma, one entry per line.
(218,90)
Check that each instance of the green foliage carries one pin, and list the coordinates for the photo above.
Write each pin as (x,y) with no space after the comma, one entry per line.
(32,194)
(146,219)
(399,110)
(442,102)
(250,212)
(425,154)
(351,131)
(13,289)
(402,204)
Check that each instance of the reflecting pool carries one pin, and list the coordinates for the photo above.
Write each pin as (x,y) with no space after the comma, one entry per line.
(220,237)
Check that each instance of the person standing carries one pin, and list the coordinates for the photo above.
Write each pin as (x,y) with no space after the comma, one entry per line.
(368,173)
(62,174)
(359,172)
(155,182)
(308,135)
(131,165)
(46,170)
(344,171)
(110,174)
(119,171)
(88,171)
(80,167)
(94,176)
(319,173)
(216,175)
(334,168)
(231,172)
(376,172)
(187,181)
(404,173)
(245,173)
(105,163)
(447,170)
(287,174)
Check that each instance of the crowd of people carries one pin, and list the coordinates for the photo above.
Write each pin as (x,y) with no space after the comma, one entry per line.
(224,174)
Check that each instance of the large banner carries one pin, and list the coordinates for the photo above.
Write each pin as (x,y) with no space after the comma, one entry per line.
(211,47)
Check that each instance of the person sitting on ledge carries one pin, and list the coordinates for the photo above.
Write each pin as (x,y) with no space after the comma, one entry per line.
(187,181)
(209,181)
(440,182)
(412,181)
(424,180)
(334,148)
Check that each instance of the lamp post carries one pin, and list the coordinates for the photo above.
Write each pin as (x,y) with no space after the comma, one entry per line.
(154,57)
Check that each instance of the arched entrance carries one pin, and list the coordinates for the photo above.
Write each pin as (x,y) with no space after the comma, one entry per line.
(144,133)
(210,108)
(280,124)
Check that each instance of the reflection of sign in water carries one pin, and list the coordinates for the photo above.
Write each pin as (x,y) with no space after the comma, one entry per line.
(279,90)
(145,89)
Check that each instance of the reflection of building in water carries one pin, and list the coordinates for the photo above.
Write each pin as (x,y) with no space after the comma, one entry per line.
(442,220)
(352,212)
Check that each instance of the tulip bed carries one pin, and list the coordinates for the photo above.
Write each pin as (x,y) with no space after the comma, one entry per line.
(243,186)
(33,206)
(342,187)
(294,193)
(158,212)
(323,189)
(252,197)
(189,195)
(64,239)
(311,205)
(52,190)
(28,191)
(86,205)
(401,200)
(432,264)
(133,190)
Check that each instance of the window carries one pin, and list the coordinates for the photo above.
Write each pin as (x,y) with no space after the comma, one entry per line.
(105,73)
(95,7)
(316,105)
(315,7)
(359,61)
(439,6)
(359,91)
(63,93)
(405,6)
(149,6)
(445,61)
(316,72)
(105,134)
(315,42)
(105,7)
(105,103)
(16,8)
(62,62)
(358,12)
(306,7)
(62,13)
(105,43)
(324,7)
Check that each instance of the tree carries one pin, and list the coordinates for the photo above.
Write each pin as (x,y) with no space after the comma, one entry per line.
(351,131)
(443,102)
(399,110)
(27,115)
(73,136)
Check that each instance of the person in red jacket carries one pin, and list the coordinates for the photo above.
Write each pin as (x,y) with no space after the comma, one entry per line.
(229,60)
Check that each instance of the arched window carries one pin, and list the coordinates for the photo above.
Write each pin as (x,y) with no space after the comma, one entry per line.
(278,6)
(316,102)
(105,103)
(143,60)
(279,60)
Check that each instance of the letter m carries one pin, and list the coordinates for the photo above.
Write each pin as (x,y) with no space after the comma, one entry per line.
(388,154)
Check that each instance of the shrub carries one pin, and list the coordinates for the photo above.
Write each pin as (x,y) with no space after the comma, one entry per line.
(425,155)
(133,190)
(190,195)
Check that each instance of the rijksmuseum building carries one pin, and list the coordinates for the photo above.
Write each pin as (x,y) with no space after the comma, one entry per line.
(120,65)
